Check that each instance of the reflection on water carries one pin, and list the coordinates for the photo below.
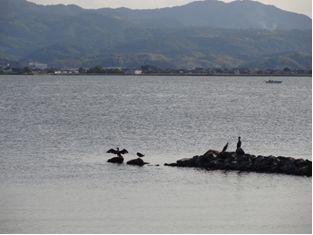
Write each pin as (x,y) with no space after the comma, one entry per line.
(54,132)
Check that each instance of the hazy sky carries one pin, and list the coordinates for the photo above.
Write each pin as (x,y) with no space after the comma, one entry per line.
(300,6)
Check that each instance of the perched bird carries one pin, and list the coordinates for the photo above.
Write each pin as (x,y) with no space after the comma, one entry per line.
(239,143)
(225,148)
(140,154)
(118,152)
(240,151)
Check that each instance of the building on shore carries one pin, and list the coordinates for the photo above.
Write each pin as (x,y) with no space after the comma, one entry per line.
(37,66)
(138,72)
(67,71)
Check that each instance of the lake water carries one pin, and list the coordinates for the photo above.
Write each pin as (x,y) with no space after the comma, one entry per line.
(54,132)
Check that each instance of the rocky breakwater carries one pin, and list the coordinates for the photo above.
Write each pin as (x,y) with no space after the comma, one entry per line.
(214,160)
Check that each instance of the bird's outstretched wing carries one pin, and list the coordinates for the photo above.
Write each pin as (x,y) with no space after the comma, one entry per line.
(113,151)
(225,148)
(124,151)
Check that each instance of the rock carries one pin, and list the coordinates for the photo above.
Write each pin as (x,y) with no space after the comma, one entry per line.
(300,162)
(212,153)
(118,160)
(170,164)
(244,166)
(187,162)
(227,156)
(213,165)
(305,170)
(137,162)
(289,168)
(262,164)
(204,161)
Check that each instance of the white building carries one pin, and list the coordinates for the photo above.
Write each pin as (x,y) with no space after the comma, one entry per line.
(138,72)
(37,66)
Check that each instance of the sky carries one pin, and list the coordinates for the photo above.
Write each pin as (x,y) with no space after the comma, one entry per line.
(299,6)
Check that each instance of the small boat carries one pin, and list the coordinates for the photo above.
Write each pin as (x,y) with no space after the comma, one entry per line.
(274,82)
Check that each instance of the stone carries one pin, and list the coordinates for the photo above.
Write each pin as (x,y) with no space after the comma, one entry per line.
(137,162)
(187,162)
(212,153)
(170,164)
(118,160)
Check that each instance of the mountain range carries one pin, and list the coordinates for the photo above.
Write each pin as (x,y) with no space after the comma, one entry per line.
(207,33)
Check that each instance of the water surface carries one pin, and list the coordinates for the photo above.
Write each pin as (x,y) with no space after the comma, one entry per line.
(54,132)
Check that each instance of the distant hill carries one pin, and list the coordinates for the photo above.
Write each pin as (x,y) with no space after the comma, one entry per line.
(243,14)
(200,34)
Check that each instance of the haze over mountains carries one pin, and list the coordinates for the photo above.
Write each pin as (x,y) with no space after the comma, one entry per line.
(200,34)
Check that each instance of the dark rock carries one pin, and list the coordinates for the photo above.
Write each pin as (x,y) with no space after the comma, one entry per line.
(244,165)
(219,164)
(212,153)
(226,155)
(214,165)
(187,162)
(204,161)
(170,164)
(289,169)
(305,170)
(137,162)
(118,160)
(262,164)
(300,163)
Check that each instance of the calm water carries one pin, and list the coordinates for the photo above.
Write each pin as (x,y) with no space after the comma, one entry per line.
(54,132)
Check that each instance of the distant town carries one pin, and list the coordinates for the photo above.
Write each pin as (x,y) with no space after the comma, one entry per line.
(35,68)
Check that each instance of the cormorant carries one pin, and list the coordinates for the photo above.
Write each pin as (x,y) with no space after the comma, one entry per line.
(239,150)
(225,148)
(239,143)
(117,152)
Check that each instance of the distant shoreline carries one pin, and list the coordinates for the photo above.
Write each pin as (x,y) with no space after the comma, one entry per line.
(168,75)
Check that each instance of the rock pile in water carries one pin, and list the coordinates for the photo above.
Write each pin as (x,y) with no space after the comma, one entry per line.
(214,160)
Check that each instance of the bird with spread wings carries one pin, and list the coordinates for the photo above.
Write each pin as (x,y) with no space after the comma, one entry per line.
(118,152)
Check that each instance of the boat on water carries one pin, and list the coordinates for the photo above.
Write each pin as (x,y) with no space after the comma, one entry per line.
(274,82)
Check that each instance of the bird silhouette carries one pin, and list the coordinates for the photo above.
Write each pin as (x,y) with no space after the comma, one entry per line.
(225,148)
(239,143)
(118,152)
(140,154)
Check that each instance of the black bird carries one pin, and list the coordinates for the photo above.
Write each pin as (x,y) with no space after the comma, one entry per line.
(239,143)
(117,152)
(240,151)
(140,154)
(225,148)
